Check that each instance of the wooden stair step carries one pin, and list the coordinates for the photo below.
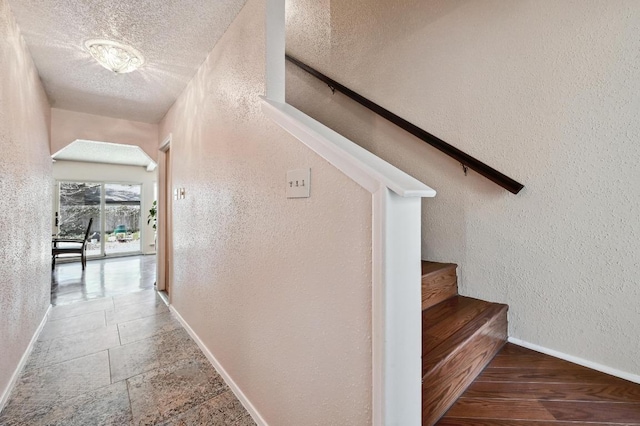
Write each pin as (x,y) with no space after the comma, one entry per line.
(439,282)
(434,317)
(461,336)
(450,323)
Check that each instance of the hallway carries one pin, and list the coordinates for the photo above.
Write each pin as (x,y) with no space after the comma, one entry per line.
(117,360)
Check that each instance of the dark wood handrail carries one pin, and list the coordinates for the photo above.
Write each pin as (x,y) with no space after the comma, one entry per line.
(465,159)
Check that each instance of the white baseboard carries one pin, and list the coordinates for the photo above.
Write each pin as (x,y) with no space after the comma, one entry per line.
(574,359)
(223,373)
(4,397)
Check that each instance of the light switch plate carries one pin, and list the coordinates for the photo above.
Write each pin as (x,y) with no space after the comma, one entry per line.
(298,183)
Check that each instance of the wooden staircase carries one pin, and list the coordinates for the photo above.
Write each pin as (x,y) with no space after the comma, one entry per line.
(460,336)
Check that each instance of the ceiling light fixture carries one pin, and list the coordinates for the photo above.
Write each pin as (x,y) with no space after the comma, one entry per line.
(114,56)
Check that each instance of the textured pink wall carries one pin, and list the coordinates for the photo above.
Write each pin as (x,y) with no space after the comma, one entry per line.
(25,198)
(279,290)
(67,126)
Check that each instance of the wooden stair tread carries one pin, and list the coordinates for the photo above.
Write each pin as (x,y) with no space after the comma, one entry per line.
(457,361)
(444,319)
(460,336)
(429,268)
(448,325)
(435,316)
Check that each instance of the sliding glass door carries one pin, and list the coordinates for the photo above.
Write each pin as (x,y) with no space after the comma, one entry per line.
(122,218)
(80,202)
(116,212)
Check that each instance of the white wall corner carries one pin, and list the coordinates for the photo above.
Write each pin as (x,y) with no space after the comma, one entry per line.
(244,400)
(4,397)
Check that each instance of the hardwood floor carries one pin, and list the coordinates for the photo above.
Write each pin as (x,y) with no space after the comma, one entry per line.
(522,387)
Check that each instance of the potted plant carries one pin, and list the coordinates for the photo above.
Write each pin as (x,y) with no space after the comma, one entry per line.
(153,215)
(153,219)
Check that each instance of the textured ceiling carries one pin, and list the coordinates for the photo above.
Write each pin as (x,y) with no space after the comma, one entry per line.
(104,152)
(173,36)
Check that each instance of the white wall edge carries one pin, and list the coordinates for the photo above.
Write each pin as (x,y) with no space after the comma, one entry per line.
(150,167)
(16,374)
(362,166)
(378,346)
(162,253)
(251,409)
(396,310)
(275,49)
(166,143)
(396,307)
(576,360)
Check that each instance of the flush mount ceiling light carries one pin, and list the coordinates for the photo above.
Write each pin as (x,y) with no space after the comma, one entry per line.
(114,56)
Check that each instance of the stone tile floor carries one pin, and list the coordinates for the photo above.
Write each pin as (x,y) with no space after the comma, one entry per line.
(103,278)
(121,360)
